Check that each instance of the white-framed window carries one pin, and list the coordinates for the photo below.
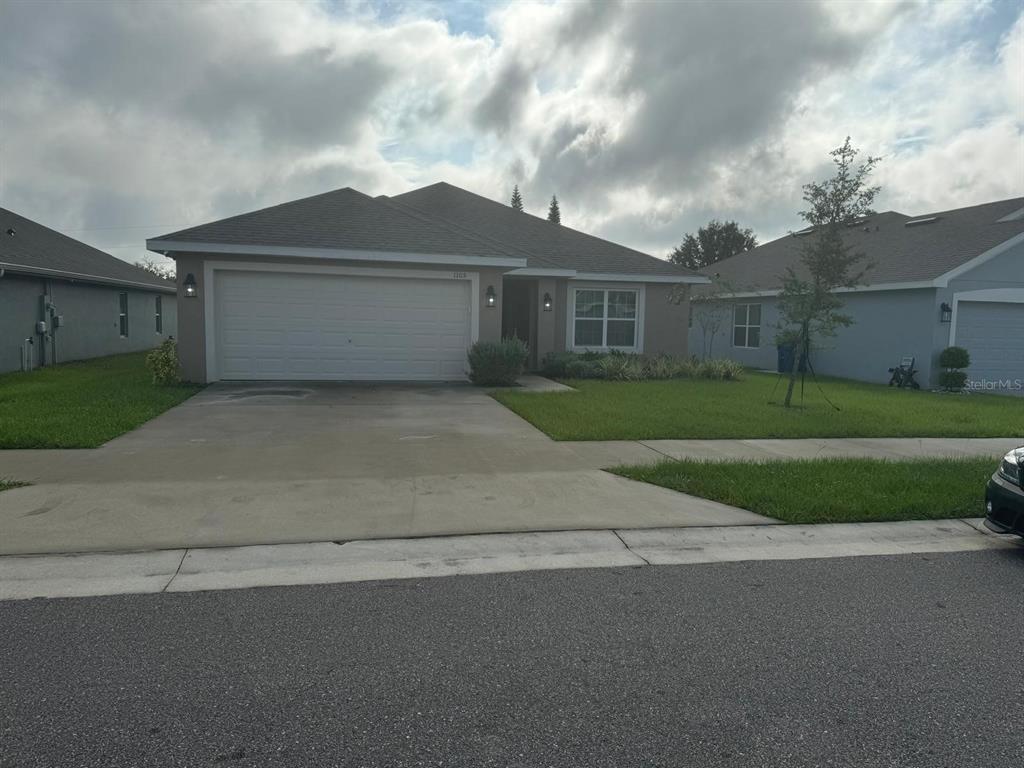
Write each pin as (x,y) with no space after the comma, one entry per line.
(605,318)
(746,326)
(159,314)
(122,314)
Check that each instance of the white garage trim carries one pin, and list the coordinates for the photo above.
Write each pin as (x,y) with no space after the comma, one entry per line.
(999,295)
(210,267)
(169,247)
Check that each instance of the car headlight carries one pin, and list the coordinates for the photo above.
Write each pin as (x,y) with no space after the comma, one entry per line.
(1009,468)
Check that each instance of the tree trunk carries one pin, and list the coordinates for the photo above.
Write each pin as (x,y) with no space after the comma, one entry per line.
(797,353)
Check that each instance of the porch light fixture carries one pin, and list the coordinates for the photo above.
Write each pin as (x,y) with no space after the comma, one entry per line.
(491,298)
(547,302)
(190,286)
(946,313)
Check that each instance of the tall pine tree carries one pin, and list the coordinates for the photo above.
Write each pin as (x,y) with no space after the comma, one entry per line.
(554,214)
(517,199)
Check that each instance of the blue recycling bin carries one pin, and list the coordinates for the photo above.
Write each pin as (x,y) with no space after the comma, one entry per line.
(786,352)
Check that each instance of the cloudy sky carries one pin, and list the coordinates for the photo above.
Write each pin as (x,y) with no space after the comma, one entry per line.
(121,121)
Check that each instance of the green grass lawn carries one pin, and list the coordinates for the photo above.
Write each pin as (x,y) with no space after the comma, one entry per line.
(832,490)
(83,404)
(751,408)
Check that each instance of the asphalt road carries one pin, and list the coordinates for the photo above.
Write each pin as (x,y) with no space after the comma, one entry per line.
(874,661)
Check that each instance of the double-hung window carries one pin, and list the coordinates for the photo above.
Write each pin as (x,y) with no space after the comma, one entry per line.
(122,314)
(746,326)
(159,314)
(605,319)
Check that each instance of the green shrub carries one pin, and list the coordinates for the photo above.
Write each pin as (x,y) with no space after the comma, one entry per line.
(497,363)
(952,379)
(163,363)
(623,366)
(954,357)
(722,369)
(554,364)
(620,367)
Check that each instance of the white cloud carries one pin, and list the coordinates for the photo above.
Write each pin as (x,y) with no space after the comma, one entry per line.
(645,119)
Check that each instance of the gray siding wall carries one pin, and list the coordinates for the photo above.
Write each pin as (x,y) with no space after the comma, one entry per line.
(887,326)
(91,327)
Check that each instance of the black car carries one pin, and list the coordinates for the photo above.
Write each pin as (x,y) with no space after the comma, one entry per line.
(1004,495)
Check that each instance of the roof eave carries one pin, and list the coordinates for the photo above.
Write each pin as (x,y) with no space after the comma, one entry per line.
(81,277)
(171,247)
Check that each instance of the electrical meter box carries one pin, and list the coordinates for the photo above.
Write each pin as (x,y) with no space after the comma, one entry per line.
(41,326)
(58,321)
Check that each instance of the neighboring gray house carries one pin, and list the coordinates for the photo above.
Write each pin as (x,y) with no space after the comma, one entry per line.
(952,277)
(345,286)
(63,300)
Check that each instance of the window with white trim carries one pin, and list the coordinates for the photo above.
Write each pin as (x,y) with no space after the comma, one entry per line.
(605,318)
(159,314)
(122,314)
(746,326)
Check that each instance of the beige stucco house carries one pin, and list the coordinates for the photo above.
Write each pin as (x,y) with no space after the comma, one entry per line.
(343,286)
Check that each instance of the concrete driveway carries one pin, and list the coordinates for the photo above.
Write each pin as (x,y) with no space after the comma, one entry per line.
(260,464)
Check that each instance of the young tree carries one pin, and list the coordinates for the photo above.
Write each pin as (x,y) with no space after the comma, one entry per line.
(713,242)
(711,308)
(808,305)
(517,199)
(166,271)
(554,214)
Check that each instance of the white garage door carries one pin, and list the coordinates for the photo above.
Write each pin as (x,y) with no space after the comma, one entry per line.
(276,325)
(993,334)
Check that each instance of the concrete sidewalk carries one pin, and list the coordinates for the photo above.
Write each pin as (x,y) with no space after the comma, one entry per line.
(611,453)
(187,570)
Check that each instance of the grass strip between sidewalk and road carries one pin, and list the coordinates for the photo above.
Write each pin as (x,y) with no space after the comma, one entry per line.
(82,404)
(685,409)
(832,490)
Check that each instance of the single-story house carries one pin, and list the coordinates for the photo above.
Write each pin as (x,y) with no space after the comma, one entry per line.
(62,300)
(344,286)
(935,280)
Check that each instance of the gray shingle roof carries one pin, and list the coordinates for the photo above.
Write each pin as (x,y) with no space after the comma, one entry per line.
(342,219)
(899,253)
(545,244)
(35,249)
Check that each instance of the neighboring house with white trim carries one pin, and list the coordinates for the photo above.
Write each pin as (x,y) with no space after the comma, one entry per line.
(952,277)
(63,300)
(343,286)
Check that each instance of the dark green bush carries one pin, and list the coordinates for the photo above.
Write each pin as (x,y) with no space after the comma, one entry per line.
(954,357)
(497,363)
(163,363)
(952,379)
(555,364)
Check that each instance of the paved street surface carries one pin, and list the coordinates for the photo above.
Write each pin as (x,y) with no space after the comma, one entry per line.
(869,661)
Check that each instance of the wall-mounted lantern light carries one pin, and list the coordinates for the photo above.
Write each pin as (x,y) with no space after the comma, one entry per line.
(491,298)
(946,313)
(547,302)
(190,286)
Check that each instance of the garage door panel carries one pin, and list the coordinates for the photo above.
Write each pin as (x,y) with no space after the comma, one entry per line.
(993,334)
(283,325)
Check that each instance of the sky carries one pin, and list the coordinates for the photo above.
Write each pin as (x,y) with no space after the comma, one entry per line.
(126,120)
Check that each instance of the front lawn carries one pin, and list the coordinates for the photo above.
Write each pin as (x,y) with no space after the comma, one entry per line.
(83,404)
(832,490)
(751,408)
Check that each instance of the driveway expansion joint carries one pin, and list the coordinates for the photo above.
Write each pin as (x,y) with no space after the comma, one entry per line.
(177,570)
(630,549)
